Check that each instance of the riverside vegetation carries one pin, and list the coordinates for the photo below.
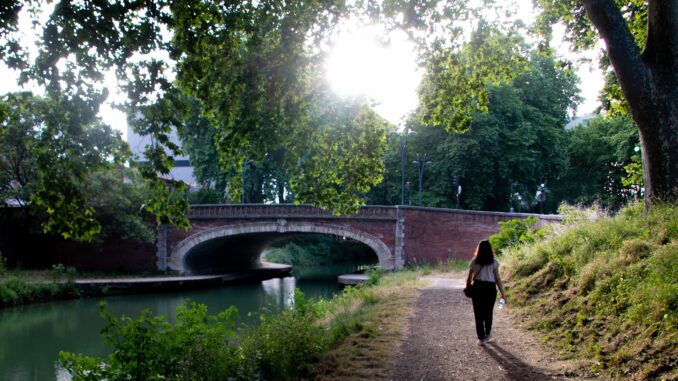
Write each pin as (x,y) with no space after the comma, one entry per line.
(19,287)
(296,343)
(603,291)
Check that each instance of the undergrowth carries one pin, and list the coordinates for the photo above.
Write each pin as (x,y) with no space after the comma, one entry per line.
(18,287)
(282,346)
(605,291)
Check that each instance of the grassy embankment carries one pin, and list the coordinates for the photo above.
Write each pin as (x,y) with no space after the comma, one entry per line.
(605,292)
(19,287)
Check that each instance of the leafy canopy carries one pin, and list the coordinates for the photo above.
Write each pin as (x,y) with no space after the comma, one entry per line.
(47,158)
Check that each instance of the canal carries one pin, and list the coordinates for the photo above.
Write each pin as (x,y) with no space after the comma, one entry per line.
(32,336)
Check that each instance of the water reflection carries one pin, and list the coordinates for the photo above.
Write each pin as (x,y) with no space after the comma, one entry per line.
(32,336)
(279,291)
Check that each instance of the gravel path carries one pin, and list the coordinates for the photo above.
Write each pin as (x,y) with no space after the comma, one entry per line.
(441,343)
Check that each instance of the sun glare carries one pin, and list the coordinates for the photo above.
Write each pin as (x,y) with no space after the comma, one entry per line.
(387,73)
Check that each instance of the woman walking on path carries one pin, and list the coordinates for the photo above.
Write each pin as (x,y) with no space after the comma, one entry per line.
(484,273)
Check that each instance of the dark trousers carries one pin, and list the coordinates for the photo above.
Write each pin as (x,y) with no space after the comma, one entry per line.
(484,296)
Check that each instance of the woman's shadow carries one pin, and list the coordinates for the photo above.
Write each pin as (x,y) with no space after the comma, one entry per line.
(514,367)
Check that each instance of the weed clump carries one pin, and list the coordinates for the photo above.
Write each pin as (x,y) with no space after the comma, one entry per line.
(605,290)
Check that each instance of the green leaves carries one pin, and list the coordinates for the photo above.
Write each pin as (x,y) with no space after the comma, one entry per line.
(198,347)
(253,68)
(515,232)
(342,156)
(68,173)
(598,153)
(581,32)
(167,202)
(455,83)
(505,155)
(48,150)
(582,36)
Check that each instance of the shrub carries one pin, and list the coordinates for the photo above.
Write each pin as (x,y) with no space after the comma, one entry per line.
(198,347)
(57,272)
(374,274)
(16,290)
(515,232)
(283,345)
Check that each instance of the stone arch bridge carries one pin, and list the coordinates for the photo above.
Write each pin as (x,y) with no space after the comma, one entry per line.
(233,237)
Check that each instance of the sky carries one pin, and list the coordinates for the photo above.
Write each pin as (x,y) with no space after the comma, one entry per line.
(358,65)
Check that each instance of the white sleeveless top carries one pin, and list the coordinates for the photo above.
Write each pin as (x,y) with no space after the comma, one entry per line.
(484,273)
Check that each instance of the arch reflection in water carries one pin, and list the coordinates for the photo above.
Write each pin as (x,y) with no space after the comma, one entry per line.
(280,290)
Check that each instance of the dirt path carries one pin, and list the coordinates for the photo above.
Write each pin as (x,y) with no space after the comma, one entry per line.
(441,343)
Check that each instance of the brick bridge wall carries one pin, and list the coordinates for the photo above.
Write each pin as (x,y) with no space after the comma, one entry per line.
(410,234)
(433,234)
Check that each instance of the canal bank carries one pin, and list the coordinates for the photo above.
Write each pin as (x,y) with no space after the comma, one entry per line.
(132,285)
(34,334)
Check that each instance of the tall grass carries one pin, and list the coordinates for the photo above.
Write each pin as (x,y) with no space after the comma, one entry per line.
(605,291)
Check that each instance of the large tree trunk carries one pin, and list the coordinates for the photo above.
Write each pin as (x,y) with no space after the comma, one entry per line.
(649,81)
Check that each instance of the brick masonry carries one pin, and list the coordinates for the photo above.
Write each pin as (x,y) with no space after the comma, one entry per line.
(411,234)
(408,234)
(432,235)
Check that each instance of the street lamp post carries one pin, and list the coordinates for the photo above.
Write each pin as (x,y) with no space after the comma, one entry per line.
(242,174)
(402,169)
(458,194)
(421,162)
(541,196)
(457,188)
(403,153)
(408,186)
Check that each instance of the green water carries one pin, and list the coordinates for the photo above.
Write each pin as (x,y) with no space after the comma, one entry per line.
(32,336)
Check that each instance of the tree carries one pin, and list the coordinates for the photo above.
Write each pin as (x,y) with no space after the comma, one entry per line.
(455,81)
(598,154)
(252,66)
(265,181)
(197,140)
(68,174)
(519,143)
(341,160)
(641,39)
(117,195)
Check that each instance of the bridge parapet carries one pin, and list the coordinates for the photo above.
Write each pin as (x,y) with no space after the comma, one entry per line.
(258,211)
(397,234)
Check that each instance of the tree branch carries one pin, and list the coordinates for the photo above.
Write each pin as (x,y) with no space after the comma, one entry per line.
(632,71)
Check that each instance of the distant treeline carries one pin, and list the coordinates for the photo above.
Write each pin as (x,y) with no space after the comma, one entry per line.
(310,250)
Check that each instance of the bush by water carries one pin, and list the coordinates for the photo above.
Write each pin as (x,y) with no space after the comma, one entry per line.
(200,346)
(18,287)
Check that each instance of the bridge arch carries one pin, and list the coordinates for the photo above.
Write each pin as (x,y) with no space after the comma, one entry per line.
(179,255)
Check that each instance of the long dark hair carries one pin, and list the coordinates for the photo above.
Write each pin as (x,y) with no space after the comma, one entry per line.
(484,255)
